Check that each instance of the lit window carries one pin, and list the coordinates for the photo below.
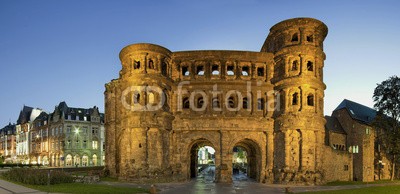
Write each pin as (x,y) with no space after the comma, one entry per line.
(95,145)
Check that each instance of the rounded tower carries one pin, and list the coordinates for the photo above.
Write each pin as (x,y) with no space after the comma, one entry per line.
(138,116)
(297,45)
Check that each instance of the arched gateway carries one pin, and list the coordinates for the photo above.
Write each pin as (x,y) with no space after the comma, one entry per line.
(262,112)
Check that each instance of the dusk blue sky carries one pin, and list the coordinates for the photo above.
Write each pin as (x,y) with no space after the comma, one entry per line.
(53,51)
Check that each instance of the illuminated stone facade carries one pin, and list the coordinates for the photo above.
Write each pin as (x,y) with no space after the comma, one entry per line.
(165,105)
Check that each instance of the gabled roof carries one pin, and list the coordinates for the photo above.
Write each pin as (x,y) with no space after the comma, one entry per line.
(359,112)
(65,111)
(333,124)
(24,115)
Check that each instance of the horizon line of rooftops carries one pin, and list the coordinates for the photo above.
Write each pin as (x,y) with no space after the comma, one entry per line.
(66,112)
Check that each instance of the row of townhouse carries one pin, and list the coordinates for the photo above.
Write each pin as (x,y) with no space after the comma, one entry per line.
(66,137)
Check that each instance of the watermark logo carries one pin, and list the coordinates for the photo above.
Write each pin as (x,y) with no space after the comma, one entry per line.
(154,98)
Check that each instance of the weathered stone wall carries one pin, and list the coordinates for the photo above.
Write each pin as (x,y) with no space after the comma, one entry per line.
(268,102)
(338,165)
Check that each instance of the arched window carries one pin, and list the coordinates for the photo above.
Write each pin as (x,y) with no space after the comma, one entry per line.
(151,64)
(310,66)
(85,160)
(295,65)
(136,98)
(200,102)
(230,70)
(310,38)
(77,160)
(231,102)
(295,37)
(245,103)
(185,71)
(164,68)
(215,103)
(245,71)
(310,100)
(215,70)
(260,104)
(295,98)
(260,71)
(200,70)
(185,103)
(68,160)
(151,98)
(94,160)
(136,65)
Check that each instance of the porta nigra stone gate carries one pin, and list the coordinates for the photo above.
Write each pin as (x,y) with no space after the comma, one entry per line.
(165,105)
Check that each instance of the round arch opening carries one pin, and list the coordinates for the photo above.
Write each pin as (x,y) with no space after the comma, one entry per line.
(246,161)
(202,159)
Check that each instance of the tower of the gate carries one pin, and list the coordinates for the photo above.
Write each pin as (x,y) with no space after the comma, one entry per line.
(297,45)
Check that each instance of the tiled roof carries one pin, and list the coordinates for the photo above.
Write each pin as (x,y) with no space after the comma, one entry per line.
(357,111)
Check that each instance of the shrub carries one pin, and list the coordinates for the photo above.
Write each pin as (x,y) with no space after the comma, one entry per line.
(37,177)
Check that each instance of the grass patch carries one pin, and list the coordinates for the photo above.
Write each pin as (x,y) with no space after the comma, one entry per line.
(373,190)
(340,183)
(86,188)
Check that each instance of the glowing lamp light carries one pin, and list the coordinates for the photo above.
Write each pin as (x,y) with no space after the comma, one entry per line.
(76,130)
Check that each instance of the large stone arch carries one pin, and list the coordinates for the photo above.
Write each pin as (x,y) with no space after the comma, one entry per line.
(255,157)
(192,150)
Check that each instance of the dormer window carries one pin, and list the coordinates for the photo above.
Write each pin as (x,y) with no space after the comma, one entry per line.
(215,70)
(295,37)
(230,70)
(245,71)
(200,70)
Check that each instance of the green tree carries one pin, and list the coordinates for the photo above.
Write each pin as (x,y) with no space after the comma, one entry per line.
(387,102)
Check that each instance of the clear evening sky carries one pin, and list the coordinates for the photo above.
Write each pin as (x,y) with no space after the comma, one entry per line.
(53,51)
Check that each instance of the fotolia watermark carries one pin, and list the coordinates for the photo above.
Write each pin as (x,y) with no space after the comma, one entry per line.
(153,98)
